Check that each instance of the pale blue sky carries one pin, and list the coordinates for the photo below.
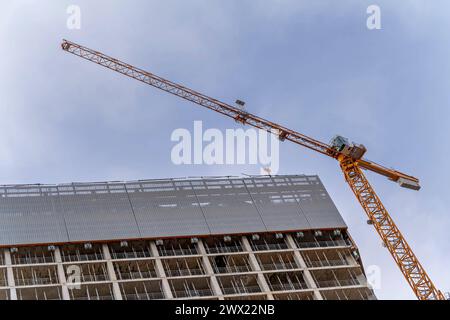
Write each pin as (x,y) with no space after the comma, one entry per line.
(309,65)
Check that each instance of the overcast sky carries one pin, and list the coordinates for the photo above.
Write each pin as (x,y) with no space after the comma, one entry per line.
(310,65)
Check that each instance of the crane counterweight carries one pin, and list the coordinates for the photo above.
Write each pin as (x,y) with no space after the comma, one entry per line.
(409,184)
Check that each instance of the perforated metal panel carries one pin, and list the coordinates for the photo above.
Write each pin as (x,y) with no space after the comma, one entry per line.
(167,208)
(228,207)
(100,212)
(319,209)
(30,215)
(163,208)
(277,201)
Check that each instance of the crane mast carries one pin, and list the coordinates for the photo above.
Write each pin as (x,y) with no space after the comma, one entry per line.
(392,238)
(351,165)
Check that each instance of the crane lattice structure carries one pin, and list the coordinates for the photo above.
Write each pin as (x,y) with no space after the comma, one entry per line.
(349,155)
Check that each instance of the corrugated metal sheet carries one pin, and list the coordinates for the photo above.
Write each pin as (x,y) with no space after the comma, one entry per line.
(163,208)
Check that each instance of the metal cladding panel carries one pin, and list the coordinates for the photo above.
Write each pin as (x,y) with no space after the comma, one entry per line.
(99,213)
(277,201)
(318,207)
(30,215)
(163,208)
(228,207)
(167,208)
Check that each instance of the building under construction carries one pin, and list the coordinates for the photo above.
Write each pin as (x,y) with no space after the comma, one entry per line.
(278,237)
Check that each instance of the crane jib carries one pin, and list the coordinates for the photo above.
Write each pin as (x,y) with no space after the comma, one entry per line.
(350,159)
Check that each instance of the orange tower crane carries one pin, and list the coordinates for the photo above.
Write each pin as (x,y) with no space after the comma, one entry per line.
(349,156)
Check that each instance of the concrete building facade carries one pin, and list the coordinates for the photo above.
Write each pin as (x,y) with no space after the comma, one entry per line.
(224,238)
